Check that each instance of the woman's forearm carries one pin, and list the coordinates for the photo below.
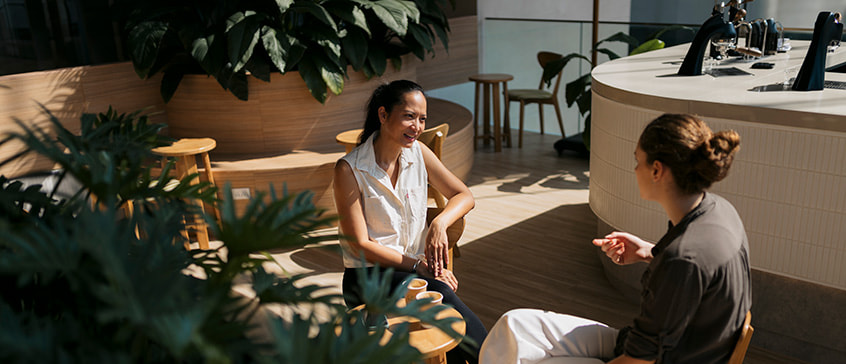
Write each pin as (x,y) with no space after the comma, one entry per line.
(386,257)
(456,207)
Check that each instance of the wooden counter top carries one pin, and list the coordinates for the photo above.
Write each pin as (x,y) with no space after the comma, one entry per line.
(649,80)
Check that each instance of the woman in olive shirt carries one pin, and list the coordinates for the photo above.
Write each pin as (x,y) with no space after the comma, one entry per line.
(696,289)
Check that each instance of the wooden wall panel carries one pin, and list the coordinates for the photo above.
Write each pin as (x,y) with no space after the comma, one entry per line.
(68,93)
(462,60)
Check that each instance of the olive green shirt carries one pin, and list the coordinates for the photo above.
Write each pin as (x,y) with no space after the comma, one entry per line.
(696,290)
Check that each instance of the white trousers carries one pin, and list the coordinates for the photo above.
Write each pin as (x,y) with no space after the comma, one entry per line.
(529,336)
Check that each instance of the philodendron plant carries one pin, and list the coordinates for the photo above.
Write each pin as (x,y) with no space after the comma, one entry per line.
(319,38)
(578,91)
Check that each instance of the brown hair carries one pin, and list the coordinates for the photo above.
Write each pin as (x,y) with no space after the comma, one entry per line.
(387,95)
(696,156)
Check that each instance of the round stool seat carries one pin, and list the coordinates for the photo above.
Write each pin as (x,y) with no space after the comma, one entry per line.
(491,77)
(186,146)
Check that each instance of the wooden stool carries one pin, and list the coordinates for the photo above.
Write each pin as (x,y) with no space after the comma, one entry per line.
(488,81)
(185,152)
(349,139)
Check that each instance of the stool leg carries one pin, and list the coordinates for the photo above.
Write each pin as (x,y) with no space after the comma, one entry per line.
(475,114)
(210,179)
(487,113)
(520,137)
(186,166)
(438,359)
(507,128)
(496,120)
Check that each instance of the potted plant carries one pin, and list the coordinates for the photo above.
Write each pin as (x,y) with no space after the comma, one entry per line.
(85,281)
(578,91)
(230,39)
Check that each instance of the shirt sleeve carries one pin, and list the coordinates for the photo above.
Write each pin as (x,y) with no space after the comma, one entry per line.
(670,298)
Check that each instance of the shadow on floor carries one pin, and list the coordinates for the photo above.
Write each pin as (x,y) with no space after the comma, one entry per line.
(544,262)
(529,166)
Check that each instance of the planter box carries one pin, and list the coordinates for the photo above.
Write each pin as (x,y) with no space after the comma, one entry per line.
(280,116)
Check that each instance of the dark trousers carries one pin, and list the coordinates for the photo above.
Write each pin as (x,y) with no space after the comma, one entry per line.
(474,328)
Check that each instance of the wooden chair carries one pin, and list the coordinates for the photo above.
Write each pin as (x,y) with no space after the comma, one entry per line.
(434,138)
(743,342)
(541,96)
(454,233)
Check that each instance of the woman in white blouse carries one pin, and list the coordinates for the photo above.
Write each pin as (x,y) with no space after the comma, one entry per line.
(381,195)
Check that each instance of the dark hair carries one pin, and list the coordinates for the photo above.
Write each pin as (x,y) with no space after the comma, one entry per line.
(387,95)
(696,156)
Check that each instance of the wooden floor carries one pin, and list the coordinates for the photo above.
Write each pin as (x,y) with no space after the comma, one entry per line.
(526,244)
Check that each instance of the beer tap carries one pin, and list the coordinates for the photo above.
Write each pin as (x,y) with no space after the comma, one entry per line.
(827,30)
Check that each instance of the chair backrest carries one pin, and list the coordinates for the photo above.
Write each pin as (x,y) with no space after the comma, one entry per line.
(434,139)
(454,231)
(544,58)
(743,342)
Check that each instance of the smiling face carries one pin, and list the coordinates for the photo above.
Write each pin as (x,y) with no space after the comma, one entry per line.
(404,123)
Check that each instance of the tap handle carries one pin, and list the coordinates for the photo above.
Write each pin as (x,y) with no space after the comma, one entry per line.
(749,51)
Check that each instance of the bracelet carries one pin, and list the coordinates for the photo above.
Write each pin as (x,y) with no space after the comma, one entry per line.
(414,267)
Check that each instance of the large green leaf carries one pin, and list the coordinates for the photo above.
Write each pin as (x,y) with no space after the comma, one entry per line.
(328,41)
(411,10)
(210,53)
(611,54)
(349,13)
(377,60)
(170,82)
(554,67)
(441,30)
(313,78)
(394,14)
(424,39)
(242,38)
(316,11)
(283,5)
(333,77)
(657,34)
(650,45)
(354,46)
(238,86)
(283,49)
(576,88)
(619,37)
(145,41)
(258,69)
(584,99)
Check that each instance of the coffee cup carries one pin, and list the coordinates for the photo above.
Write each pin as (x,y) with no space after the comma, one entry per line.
(436,298)
(415,287)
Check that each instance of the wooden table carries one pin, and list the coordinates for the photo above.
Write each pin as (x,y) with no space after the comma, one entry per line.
(185,152)
(489,82)
(432,342)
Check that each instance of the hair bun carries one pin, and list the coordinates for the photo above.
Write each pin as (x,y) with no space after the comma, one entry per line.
(718,153)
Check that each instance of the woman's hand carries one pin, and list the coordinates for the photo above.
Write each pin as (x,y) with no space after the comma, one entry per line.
(448,278)
(625,248)
(437,249)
